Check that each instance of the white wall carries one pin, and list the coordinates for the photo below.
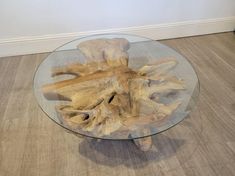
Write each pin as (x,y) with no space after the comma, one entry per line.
(34,26)
(42,17)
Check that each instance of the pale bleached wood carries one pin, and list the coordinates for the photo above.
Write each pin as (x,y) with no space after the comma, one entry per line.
(203,144)
(107,97)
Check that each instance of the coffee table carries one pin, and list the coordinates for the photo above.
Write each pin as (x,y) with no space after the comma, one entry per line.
(116,87)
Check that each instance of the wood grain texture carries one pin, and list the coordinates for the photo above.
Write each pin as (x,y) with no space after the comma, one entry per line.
(203,144)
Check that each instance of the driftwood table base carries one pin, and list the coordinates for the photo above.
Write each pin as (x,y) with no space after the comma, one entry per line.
(106,96)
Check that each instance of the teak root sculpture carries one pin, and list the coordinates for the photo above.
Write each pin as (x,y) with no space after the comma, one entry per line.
(107,96)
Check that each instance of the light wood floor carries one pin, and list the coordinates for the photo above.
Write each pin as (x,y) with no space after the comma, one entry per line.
(203,144)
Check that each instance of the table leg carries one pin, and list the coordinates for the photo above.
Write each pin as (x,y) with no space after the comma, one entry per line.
(143,144)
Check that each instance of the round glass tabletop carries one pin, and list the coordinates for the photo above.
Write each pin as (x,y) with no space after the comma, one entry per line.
(116,86)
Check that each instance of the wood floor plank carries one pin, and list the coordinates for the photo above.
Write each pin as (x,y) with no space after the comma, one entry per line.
(203,144)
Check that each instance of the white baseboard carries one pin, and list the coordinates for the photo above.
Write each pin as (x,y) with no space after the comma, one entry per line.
(47,43)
